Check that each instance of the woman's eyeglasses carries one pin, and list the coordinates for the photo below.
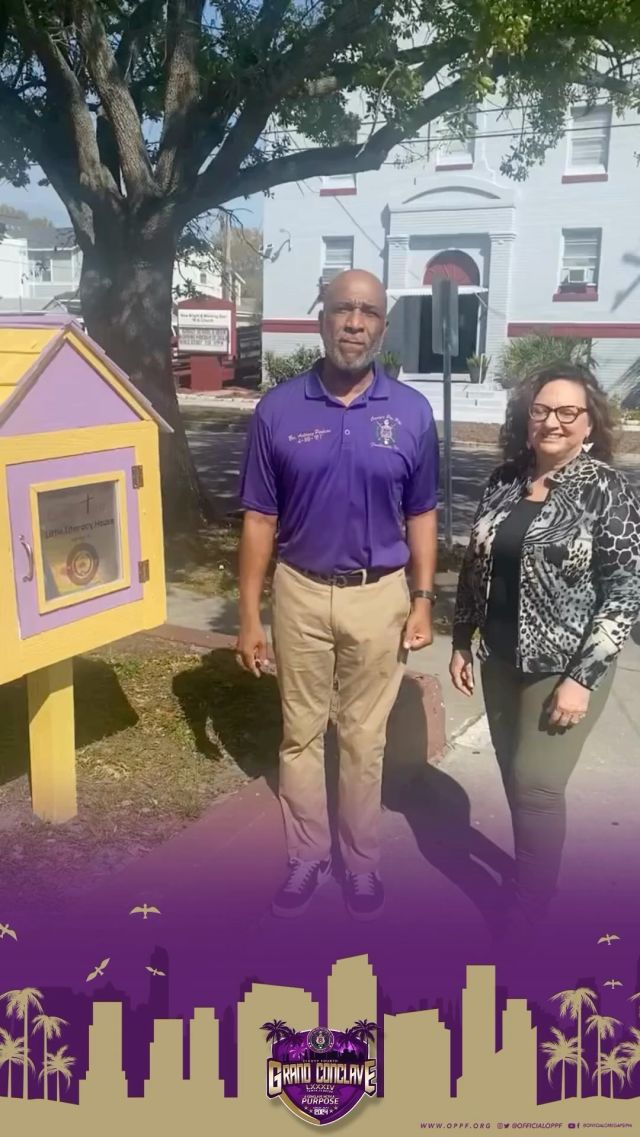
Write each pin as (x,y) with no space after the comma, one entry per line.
(538,412)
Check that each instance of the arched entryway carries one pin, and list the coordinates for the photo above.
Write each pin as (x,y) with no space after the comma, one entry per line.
(460,267)
(453,264)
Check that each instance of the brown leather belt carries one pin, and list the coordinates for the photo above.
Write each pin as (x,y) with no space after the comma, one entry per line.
(346,579)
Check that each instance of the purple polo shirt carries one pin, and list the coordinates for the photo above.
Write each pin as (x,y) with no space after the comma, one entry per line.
(341,480)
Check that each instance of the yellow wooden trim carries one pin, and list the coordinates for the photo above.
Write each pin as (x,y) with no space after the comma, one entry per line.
(21,340)
(21,656)
(82,636)
(123,582)
(66,443)
(107,374)
(52,742)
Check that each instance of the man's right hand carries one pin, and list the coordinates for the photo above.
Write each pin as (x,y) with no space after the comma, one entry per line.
(251,647)
(461,671)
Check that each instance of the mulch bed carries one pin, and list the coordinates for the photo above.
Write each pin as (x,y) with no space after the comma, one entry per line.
(161,733)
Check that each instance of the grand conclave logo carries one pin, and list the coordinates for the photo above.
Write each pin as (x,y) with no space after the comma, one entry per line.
(320,1074)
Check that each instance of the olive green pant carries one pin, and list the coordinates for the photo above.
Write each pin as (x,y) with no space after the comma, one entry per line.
(536,761)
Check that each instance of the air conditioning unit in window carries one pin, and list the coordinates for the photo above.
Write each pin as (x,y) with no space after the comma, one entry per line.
(576,280)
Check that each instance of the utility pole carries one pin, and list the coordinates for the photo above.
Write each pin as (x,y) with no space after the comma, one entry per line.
(227,290)
(444,334)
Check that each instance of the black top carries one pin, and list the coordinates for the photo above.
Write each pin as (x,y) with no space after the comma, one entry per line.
(501,628)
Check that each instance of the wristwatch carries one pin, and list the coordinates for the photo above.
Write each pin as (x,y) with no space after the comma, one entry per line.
(423,594)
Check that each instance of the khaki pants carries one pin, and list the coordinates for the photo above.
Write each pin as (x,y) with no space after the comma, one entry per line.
(353,635)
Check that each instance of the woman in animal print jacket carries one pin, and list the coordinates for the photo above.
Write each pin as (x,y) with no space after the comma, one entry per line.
(551,582)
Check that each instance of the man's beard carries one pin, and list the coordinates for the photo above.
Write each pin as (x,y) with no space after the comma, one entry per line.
(355,364)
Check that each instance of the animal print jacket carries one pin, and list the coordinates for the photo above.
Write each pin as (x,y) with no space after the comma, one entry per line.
(579,574)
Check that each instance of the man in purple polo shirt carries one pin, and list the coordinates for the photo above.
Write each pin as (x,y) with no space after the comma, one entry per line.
(342,468)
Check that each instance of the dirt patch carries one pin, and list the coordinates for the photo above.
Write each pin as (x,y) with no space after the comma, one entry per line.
(161,733)
(207,561)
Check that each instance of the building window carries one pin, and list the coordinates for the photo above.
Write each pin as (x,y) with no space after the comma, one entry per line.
(588,145)
(337,256)
(580,265)
(454,152)
(338,185)
(203,277)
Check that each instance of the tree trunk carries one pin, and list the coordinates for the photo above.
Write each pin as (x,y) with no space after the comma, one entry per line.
(25,1064)
(125,291)
(579,1066)
(45,1067)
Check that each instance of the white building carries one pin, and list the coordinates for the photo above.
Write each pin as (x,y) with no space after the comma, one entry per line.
(558,252)
(36,273)
(14,267)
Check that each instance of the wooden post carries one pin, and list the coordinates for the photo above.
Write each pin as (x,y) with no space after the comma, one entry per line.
(52,742)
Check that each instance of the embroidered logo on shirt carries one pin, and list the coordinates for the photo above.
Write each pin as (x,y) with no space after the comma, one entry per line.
(385,431)
(309,435)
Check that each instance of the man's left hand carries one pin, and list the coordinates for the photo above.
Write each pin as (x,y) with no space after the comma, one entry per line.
(418,632)
(569,703)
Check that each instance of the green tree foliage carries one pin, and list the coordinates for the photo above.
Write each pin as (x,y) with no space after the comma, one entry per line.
(145,114)
(523,355)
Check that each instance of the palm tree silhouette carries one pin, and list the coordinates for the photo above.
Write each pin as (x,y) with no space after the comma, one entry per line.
(631,1051)
(572,1004)
(612,1064)
(364,1030)
(351,1037)
(60,1064)
(605,1026)
(51,1027)
(563,1052)
(12,1053)
(18,1003)
(277,1030)
(635,998)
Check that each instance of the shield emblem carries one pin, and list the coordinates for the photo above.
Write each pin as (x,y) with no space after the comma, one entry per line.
(320,1075)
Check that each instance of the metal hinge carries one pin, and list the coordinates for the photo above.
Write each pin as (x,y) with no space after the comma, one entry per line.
(143,571)
(137,477)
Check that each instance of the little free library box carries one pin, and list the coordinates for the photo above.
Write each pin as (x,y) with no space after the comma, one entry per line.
(81,548)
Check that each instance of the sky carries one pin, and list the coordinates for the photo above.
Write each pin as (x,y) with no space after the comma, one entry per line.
(43,201)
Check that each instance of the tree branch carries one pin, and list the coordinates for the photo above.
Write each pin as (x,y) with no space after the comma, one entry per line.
(595,78)
(27,128)
(117,101)
(317,161)
(282,74)
(68,94)
(184,30)
(140,22)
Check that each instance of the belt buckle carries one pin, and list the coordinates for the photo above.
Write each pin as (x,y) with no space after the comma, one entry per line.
(342,579)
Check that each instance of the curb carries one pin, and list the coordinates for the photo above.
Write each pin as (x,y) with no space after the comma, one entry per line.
(428,687)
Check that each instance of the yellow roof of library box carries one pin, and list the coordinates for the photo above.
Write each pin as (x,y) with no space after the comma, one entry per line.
(29,340)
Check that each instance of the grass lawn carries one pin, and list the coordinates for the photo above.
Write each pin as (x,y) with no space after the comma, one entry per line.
(161,732)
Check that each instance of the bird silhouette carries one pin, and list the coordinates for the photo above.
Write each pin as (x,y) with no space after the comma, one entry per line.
(146,910)
(608,939)
(99,970)
(5,930)
(155,971)
(613,983)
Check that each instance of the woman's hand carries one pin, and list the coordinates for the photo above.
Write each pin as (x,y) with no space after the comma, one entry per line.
(461,671)
(569,703)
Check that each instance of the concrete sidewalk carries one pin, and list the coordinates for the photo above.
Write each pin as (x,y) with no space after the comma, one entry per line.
(190,609)
(446,849)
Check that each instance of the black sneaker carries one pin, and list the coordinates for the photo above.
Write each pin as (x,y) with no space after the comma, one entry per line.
(364,895)
(298,890)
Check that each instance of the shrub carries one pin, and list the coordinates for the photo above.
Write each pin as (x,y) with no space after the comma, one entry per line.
(390,362)
(522,355)
(279,368)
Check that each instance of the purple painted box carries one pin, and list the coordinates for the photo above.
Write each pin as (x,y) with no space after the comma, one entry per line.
(79,484)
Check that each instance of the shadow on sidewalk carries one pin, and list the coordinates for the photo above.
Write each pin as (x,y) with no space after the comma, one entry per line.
(438,810)
(226,707)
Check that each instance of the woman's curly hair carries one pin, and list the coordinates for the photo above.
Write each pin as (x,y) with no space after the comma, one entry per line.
(514,433)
